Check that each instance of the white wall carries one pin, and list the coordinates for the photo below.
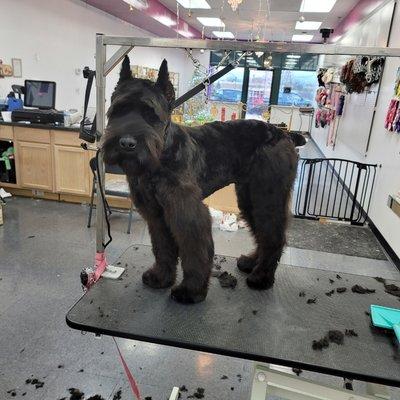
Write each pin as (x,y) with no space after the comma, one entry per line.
(54,38)
(384,148)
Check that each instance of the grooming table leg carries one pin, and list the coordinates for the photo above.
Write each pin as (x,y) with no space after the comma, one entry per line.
(174,394)
(379,391)
(278,384)
(259,386)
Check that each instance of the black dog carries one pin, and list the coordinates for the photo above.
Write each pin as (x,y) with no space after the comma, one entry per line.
(172,168)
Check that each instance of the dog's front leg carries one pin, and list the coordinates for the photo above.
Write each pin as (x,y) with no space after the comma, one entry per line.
(190,223)
(163,273)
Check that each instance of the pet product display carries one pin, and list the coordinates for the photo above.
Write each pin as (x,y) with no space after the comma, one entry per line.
(361,72)
(392,119)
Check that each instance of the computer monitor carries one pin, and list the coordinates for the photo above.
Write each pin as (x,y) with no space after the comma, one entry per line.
(40,94)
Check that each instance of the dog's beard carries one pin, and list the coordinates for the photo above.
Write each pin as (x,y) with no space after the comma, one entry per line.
(145,158)
(140,163)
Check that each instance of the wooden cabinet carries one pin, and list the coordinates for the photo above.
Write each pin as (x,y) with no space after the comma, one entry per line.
(71,167)
(35,165)
(53,162)
(6,132)
(27,134)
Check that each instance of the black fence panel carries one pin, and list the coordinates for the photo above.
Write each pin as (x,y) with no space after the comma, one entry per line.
(334,188)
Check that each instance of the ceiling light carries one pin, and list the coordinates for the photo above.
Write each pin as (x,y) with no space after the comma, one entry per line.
(186,34)
(165,20)
(210,21)
(302,38)
(139,4)
(223,34)
(194,4)
(293,56)
(308,25)
(322,6)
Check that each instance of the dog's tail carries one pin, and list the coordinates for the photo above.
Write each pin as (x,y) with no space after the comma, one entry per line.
(297,138)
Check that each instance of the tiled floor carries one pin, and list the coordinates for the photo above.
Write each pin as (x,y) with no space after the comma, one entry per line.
(43,246)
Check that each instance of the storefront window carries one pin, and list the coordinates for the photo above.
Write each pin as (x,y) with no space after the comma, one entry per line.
(259,93)
(297,88)
(228,89)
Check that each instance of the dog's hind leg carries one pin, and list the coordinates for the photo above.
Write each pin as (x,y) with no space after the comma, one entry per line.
(271,180)
(190,223)
(246,263)
(163,273)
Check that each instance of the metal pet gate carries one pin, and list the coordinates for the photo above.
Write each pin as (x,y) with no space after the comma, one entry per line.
(334,188)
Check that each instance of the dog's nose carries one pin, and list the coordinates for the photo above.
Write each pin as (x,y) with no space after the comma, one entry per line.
(127,143)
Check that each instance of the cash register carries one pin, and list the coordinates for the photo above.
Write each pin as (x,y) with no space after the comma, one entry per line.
(41,96)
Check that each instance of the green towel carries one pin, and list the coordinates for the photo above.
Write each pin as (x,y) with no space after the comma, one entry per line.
(5,157)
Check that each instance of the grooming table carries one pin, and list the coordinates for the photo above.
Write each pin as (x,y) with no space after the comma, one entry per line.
(275,326)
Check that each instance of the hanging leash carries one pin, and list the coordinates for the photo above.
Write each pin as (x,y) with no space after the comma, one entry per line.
(91,275)
(88,132)
(132,382)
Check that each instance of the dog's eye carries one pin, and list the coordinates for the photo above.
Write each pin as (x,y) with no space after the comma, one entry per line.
(149,114)
(119,110)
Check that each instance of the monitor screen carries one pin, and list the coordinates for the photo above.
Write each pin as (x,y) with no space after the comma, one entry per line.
(40,94)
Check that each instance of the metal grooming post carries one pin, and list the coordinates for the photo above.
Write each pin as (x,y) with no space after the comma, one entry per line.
(100,121)
(103,67)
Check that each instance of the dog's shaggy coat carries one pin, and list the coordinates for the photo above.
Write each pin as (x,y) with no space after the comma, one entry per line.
(172,168)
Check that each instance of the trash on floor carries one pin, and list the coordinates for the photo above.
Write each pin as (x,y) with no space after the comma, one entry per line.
(224,221)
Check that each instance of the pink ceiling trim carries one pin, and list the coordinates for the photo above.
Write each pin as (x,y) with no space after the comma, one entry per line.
(355,16)
(145,19)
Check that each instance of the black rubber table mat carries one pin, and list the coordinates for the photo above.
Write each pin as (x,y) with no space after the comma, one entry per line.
(274,326)
(334,238)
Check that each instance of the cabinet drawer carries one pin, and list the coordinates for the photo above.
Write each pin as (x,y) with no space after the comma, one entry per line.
(66,138)
(6,132)
(32,134)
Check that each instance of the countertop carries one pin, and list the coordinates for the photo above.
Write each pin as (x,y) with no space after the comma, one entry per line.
(41,126)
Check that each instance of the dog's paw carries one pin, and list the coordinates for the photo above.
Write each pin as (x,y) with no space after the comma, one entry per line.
(157,279)
(182,294)
(246,264)
(259,283)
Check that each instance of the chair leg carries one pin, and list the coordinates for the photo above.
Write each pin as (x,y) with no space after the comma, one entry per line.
(91,203)
(130,220)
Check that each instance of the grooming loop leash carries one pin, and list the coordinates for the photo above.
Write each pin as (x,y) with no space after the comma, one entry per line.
(132,382)
(91,275)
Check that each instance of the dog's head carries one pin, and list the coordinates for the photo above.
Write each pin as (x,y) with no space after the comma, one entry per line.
(138,118)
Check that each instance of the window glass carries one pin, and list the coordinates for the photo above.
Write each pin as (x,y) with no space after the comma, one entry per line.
(228,89)
(259,93)
(297,88)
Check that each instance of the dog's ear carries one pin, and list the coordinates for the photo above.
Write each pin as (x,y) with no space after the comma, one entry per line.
(125,73)
(164,83)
